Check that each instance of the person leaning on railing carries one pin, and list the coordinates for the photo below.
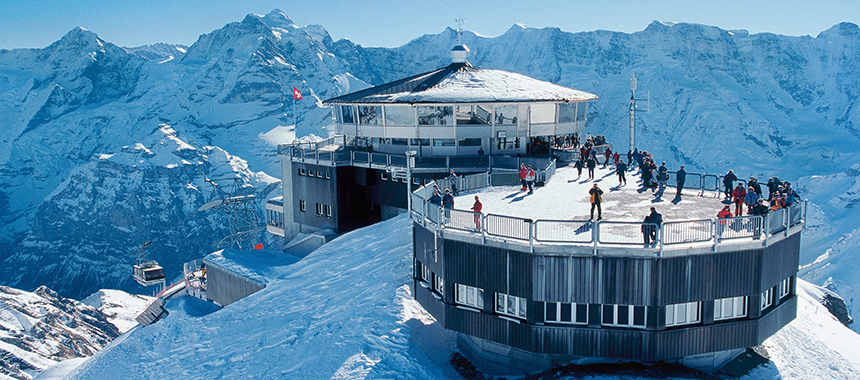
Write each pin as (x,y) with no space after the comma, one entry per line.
(477,207)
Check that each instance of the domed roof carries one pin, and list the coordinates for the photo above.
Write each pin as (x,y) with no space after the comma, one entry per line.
(461,82)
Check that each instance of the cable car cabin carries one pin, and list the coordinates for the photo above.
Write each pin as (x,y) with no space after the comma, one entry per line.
(149,273)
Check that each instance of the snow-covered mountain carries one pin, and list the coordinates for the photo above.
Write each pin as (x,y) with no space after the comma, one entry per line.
(346,312)
(82,183)
(39,329)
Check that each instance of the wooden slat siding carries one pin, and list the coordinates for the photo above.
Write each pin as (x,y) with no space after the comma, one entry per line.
(780,261)
(225,288)
(423,248)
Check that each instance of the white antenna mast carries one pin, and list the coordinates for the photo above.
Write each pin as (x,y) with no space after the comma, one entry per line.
(460,22)
(633,111)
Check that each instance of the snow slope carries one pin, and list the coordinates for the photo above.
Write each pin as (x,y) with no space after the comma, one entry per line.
(345,312)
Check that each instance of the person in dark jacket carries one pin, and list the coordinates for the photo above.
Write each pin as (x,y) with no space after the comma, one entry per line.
(579,165)
(630,157)
(596,199)
(448,200)
(591,163)
(772,186)
(436,198)
(729,182)
(755,185)
(619,170)
(682,178)
(760,208)
(650,225)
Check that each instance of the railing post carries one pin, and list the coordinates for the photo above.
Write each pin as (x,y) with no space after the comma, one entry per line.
(483,229)
(595,235)
(785,219)
(531,236)
(716,233)
(660,236)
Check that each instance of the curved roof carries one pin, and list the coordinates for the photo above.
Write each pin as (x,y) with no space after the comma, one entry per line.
(464,83)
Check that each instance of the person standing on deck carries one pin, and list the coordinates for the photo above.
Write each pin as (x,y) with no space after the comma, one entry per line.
(596,200)
(591,163)
(620,168)
(453,180)
(728,182)
(477,207)
(738,195)
(530,179)
(681,176)
(523,173)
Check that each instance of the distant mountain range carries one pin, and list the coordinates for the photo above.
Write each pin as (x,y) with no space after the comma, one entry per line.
(105,147)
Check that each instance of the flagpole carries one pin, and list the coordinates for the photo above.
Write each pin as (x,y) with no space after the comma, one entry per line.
(295,123)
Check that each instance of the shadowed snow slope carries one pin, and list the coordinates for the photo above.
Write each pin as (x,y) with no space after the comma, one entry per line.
(346,312)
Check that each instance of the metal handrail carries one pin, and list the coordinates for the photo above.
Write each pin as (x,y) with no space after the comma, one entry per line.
(587,234)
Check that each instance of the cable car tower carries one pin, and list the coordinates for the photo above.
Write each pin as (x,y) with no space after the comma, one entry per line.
(234,201)
(147,272)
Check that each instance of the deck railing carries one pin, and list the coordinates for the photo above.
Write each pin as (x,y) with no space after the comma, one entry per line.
(596,235)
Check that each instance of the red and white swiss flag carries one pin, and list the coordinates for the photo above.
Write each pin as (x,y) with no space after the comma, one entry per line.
(296,93)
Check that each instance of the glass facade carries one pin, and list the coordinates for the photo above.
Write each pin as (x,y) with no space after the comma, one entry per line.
(435,115)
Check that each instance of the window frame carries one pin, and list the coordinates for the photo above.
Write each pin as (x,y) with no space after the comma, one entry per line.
(466,293)
(573,307)
(767,298)
(734,302)
(631,313)
(302,205)
(506,301)
(688,307)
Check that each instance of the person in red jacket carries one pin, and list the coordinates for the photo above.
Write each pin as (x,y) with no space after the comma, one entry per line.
(738,195)
(477,209)
(523,173)
(722,215)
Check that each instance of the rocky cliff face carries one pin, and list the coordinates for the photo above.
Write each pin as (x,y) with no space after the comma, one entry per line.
(41,328)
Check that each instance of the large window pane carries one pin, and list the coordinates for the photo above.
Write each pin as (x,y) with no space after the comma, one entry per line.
(522,307)
(581,313)
(370,115)
(639,315)
(542,113)
(399,115)
(551,311)
(474,114)
(435,115)
(480,301)
(608,314)
(566,315)
(506,114)
(580,111)
(348,114)
(567,112)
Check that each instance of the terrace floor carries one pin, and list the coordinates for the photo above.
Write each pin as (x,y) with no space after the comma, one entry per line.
(565,197)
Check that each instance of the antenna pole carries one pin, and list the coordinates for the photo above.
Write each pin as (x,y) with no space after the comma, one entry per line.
(459,22)
(633,111)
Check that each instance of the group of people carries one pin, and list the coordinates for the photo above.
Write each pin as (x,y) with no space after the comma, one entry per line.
(527,178)
(780,194)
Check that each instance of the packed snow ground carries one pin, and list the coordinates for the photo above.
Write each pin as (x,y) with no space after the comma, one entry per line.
(566,197)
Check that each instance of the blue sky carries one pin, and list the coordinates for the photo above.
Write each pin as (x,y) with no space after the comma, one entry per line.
(38,23)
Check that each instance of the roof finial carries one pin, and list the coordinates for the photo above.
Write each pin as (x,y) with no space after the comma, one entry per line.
(460,53)
(459,22)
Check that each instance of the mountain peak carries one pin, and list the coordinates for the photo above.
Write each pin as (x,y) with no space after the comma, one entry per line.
(277,18)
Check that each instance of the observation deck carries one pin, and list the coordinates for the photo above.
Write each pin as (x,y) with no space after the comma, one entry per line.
(533,283)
